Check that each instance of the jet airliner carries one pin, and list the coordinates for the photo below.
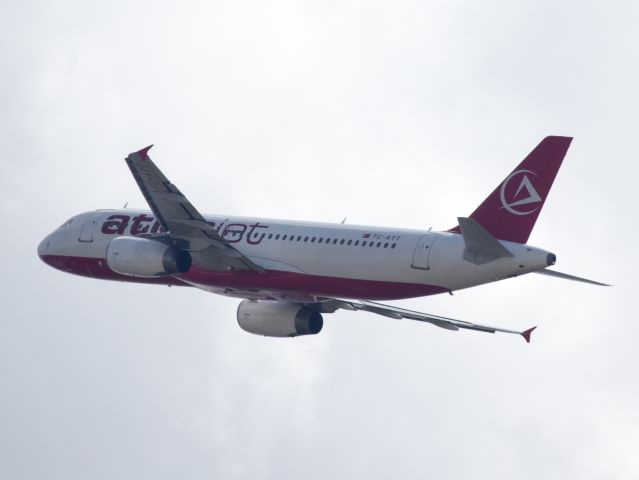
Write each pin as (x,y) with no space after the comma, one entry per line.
(289,273)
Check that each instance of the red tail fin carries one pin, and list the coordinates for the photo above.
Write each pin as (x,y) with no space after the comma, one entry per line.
(510,212)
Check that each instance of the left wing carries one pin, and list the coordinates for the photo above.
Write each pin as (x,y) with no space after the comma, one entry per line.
(185,226)
(400,313)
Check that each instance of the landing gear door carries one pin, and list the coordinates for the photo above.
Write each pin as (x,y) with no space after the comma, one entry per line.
(86,234)
(422,252)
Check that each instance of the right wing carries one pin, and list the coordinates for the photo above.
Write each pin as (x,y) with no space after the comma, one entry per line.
(185,226)
(400,313)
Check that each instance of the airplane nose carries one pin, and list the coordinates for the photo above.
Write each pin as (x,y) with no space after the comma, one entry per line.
(50,251)
(45,248)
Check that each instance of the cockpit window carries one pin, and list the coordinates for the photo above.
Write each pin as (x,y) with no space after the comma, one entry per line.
(67,223)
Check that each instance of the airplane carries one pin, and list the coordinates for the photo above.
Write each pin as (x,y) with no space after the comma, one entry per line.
(289,273)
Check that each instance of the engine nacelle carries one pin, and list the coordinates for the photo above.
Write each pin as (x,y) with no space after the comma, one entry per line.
(278,319)
(141,257)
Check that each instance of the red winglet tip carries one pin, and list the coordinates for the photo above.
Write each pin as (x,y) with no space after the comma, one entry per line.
(144,153)
(526,334)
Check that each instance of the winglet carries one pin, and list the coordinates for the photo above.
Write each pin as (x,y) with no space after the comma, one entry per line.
(526,334)
(144,153)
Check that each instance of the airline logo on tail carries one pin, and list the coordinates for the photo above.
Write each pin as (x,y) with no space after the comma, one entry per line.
(525,188)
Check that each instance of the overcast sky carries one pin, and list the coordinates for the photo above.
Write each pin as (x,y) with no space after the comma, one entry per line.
(389,113)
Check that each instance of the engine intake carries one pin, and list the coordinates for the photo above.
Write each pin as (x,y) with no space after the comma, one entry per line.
(278,319)
(141,257)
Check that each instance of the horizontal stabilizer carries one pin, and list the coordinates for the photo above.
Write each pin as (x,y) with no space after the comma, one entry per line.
(481,246)
(565,276)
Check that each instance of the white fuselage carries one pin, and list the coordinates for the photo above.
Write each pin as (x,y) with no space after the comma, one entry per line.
(304,261)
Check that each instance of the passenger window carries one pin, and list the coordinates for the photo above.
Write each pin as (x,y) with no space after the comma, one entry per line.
(364,243)
(313,240)
(378,244)
(356,242)
(306,239)
(334,241)
(342,242)
(299,238)
(349,242)
(393,245)
(277,237)
(284,237)
(386,245)
(270,235)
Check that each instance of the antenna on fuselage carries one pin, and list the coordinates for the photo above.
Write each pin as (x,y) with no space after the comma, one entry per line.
(125,204)
(343,221)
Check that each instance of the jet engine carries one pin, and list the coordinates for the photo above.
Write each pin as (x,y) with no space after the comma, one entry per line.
(141,257)
(278,319)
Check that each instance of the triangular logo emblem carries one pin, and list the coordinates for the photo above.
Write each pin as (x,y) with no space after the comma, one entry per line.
(524,195)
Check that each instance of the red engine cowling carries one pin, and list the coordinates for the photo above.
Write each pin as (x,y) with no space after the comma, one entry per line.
(278,319)
(141,257)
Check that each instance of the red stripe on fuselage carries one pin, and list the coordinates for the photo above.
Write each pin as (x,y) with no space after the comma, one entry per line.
(97,268)
(270,281)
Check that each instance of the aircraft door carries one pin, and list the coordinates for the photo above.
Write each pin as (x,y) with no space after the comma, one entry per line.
(86,234)
(421,255)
